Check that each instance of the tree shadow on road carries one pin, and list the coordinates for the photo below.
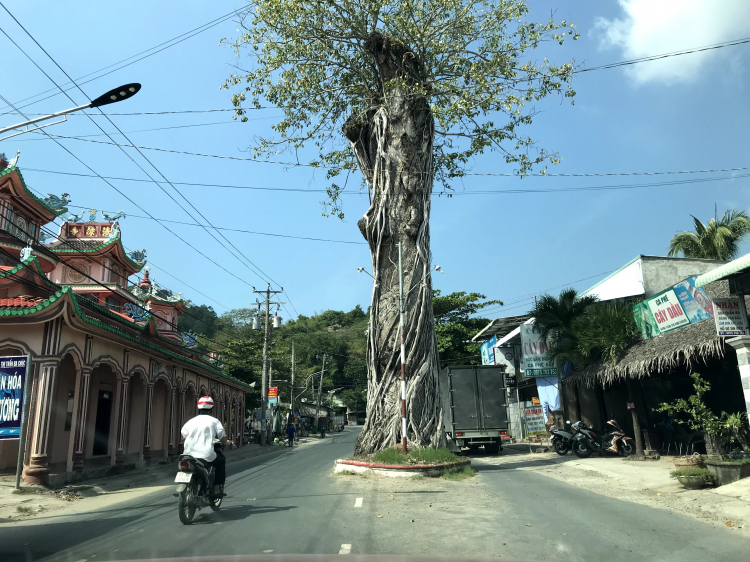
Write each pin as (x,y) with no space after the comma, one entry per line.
(237,513)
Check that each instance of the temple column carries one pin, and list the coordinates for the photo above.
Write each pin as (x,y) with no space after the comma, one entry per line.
(38,469)
(242,417)
(79,423)
(122,433)
(172,450)
(147,423)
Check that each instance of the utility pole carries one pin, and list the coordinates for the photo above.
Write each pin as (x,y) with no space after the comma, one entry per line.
(264,390)
(403,354)
(291,393)
(320,390)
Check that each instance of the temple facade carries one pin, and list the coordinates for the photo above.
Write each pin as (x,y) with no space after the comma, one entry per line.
(112,378)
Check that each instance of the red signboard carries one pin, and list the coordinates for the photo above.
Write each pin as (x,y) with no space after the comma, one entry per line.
(273,392)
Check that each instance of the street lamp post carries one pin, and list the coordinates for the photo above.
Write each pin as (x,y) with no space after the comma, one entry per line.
(113,96)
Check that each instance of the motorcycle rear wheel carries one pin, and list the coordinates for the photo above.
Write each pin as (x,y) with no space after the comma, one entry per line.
(581,450)
(186,506)
(561,448)
(627,447)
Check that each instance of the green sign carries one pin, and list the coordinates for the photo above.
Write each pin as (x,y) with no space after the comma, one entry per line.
(680,305)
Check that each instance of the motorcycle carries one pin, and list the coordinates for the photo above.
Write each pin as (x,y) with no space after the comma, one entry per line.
(562,441)
(587,441)
(195,486)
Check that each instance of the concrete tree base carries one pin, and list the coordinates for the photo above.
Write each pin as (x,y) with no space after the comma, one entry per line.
(400,470)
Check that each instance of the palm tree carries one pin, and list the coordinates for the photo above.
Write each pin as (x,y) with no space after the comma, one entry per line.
(719,240)
(554,315)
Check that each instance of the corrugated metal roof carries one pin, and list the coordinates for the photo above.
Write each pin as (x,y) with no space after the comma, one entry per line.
(501,326)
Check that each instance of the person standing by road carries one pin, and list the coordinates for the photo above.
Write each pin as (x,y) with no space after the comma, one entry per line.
(291,431)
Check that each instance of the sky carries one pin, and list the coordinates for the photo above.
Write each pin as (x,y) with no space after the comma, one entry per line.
(684,113)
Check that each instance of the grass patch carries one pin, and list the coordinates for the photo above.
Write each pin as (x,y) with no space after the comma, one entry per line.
(417,477)
(24,510)
(426,455)
(461,475)
(702,472)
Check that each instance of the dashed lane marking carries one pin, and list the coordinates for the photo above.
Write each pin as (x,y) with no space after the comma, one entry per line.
(358,502)
(345,549)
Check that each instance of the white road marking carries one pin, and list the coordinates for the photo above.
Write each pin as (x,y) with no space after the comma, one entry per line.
(345,549)
(358,502)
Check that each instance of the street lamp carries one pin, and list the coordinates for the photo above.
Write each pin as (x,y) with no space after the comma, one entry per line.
(113,96)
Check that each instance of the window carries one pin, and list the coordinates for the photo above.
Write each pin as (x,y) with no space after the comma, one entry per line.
(69,411)
(32,231)
(112,304)
(21,231)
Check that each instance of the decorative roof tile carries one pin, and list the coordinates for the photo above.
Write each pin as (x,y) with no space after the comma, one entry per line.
(20,301)
(39,200)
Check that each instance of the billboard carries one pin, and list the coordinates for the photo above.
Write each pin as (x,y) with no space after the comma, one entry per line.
(488,352)
(678,306)
(533,419)
(12,382)
(729,316)
(273,394)
(535,352)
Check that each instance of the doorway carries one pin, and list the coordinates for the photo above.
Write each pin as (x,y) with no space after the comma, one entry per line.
(103,419)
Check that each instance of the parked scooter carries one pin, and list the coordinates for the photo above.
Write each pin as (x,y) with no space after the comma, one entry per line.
(587,441)
(562,441)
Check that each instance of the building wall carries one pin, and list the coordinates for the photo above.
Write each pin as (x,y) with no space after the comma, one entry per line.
(660,273)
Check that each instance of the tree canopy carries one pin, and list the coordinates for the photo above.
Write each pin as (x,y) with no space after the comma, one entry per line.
(318,61)
(719,240)
(456,324)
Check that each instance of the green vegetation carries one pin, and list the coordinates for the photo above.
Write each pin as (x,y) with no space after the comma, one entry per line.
(24,510)
(460,475)
(719,240)
(704,472)
(425,455)
(456,324)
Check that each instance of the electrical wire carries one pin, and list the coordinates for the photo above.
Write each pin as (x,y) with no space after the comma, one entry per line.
(169,43)
(252,266)
(666,55)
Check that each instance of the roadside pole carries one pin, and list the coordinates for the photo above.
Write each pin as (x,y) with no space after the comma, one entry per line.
(264,427)
(403,357)
(291,393)
(22,432)
(320,390)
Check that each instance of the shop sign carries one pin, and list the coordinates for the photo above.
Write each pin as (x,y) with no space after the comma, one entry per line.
(535,352)
(506,356)
(12,381)
(533,419)
(680,305)
(488,352)
(273,394)
(730,317)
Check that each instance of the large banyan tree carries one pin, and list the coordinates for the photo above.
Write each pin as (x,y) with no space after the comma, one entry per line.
(405,92)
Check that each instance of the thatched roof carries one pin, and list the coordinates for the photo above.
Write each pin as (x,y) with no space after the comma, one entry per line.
(681,347)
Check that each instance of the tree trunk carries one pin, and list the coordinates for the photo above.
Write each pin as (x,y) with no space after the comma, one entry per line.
(636,421)
(393,144)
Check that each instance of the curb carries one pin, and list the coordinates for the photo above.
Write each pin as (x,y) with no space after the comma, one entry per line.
(400,470)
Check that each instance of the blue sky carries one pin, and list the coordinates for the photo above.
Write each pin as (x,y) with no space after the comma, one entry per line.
(681,113)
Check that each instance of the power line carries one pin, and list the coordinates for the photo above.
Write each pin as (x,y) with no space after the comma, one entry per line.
(169,43)
(88,167)
(666,55)
(472,192)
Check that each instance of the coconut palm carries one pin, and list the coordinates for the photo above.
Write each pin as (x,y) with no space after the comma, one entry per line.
(719,240)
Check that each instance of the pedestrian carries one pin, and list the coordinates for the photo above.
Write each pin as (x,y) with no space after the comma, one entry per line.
(291,431)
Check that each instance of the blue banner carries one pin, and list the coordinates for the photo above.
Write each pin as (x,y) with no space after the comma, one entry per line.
(12,381)
(488,351)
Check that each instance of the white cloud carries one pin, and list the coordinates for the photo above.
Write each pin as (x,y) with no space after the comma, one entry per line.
(652,27)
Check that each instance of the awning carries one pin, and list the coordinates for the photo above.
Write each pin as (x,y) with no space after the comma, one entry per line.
(500,326)
(723,271)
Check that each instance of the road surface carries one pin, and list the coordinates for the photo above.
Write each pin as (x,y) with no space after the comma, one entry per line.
(291,504)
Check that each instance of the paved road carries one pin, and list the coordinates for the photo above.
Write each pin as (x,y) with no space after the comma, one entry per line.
(292,504)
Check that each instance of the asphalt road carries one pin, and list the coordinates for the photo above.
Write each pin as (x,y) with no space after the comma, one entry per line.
(292,504)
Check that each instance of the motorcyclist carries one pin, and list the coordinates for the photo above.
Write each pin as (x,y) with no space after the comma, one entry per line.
(200,434)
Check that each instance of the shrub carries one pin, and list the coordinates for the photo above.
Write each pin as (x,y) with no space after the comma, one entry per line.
(703,472)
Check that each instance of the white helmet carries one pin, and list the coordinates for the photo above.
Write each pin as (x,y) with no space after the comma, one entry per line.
(206,403)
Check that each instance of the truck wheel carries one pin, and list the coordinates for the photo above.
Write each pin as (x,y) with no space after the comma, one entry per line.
(492,448)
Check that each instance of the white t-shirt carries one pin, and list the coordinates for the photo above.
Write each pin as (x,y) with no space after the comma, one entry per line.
(200,433)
